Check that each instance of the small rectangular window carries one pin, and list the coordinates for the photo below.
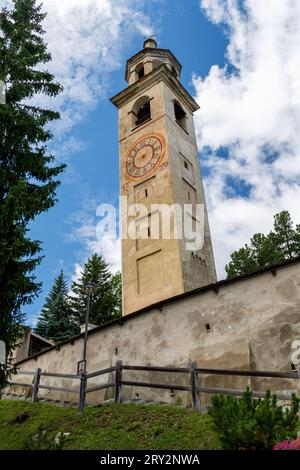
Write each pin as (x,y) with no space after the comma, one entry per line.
(146,192)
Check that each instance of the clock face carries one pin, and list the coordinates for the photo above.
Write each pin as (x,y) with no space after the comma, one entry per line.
(144,156)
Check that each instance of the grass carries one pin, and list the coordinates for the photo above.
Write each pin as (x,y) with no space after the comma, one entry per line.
(108,427)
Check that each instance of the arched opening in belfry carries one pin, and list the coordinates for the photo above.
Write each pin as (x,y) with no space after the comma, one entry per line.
(157,63)
(174,72)
(141,110)
(140,71)
(180,115)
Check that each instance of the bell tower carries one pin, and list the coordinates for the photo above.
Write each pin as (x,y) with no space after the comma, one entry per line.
(159,165)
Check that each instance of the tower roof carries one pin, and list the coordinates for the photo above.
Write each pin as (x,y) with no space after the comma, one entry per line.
(150,49)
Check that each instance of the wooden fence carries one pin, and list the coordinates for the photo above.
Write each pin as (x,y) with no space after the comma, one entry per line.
(192,371)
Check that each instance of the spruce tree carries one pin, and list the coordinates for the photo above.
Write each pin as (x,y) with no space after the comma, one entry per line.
(27,172)
(284,235)
(283,242)
(115,293)
(56,320)
(105,299)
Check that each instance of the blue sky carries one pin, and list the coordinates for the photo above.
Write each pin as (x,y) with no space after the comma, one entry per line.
(237,67)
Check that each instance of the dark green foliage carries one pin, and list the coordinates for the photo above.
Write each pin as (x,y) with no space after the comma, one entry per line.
(106,297)
(56,320)
(286,238)
(253,423)
(114,295)
(27,173)
(263,250)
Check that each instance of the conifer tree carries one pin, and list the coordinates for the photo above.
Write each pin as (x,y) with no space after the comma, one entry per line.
(27,172)
(285,236)
(116,295)
(283,242)
(105,299)
(56,320)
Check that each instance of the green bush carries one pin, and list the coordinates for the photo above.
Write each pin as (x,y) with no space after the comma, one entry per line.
(253,423)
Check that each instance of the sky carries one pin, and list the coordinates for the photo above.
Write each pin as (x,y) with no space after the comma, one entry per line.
(241,62)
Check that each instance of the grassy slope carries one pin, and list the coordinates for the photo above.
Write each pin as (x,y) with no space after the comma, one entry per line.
(124,426)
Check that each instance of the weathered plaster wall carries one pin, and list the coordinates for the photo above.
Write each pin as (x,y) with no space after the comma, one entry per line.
(253,324)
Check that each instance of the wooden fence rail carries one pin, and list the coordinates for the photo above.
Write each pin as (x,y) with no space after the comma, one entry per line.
(101,372)
(20,384)
(193,387)
(66,376)
(295,374)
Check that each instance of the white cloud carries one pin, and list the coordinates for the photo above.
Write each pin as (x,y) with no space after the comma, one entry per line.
(252,107)
(84,230)
(110,249)
(86,40)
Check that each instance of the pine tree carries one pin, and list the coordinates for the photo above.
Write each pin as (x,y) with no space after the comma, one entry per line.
(284,234)
(242,261)
(56,320)
(297,239)
(105,299)
(115,294)
(264,250)
(27,173)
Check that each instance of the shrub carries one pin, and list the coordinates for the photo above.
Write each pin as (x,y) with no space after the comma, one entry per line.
(253,423)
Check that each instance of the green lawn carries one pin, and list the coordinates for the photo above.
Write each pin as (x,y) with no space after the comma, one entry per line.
(107,427)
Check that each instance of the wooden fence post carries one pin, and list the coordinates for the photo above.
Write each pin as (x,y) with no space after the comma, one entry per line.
(194,384)
(82,392)
(298,370)
(118,379)
(36,382)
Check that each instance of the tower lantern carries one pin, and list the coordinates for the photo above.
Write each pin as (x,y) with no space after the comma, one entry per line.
(150,42)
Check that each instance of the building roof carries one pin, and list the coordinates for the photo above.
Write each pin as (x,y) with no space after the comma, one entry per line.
(160,73)
(159,305)
(41,338)
(154,52)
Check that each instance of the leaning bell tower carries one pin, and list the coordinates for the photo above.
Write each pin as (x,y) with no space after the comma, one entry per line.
(159,165)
